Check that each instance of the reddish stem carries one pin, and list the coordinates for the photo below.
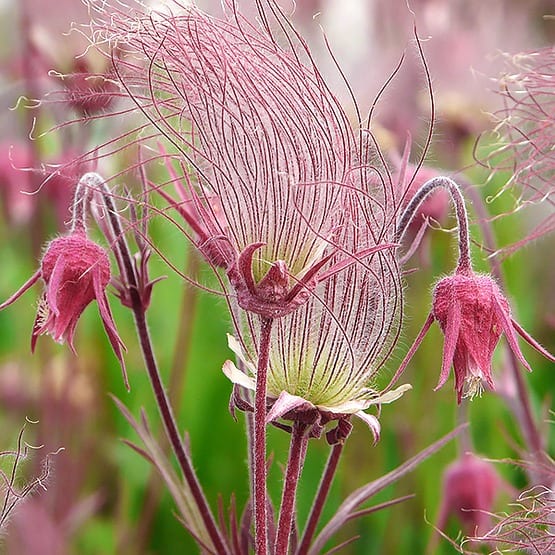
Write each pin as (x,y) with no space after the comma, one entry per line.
(162,400)
(320,499)
(176,386)
(464,265)
(260,496)
(297,452)
(172,430)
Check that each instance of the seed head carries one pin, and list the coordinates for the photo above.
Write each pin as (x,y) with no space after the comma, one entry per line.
(266,150)
(325,356)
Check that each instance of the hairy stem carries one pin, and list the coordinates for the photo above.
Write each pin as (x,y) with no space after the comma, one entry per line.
(464,264)
(81,199)
(260,495)
(172,431)
(320,499)
(160,394)
(154,490)
(297,453)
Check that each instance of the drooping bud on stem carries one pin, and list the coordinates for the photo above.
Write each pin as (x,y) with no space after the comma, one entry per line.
(75,272)
(471,310)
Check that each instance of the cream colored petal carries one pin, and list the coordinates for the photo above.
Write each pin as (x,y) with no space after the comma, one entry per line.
(348,407)
(235,346)
(391,396)
(236,376)
(372,422)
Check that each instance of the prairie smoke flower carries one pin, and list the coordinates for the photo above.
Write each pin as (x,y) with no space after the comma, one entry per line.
(473,313)
(471,310)
(56,45)
(325,356)
(266,149)
(75,271)
(280,192)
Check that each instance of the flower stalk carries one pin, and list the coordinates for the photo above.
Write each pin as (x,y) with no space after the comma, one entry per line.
(297,453)
(464,264)
(470,309)
(260,474)
(320,499)
(162,400)
(522,409)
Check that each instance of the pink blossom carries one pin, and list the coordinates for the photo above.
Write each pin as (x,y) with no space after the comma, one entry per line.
(75,271)
(473,313)
(280,192)
(470,486)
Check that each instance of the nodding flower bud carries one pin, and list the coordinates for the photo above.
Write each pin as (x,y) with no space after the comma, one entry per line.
(75,271)
(473,313)
(470,486)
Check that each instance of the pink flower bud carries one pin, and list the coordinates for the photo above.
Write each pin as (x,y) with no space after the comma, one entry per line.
(470,486)
(75,271)
(473,313)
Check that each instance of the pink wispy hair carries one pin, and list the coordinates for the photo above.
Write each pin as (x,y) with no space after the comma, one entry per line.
(526,127)
(270,165)
(255,124)
(528,526)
